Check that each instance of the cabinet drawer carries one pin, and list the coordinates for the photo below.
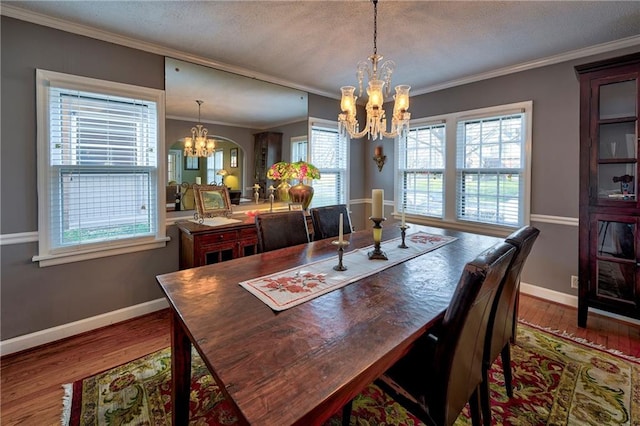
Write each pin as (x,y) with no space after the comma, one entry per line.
(219,237)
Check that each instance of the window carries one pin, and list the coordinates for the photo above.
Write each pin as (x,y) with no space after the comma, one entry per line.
(329,154)
(421,166)
(100,165)
(470,168)
(174,171)
(298,148)
(214,165)
(490,154)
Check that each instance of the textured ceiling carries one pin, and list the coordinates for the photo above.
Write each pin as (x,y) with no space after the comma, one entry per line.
(315,45)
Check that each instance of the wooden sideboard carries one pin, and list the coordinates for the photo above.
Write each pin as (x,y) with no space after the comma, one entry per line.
(203,245)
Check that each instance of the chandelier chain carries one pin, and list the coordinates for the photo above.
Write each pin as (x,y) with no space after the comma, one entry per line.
(375,27)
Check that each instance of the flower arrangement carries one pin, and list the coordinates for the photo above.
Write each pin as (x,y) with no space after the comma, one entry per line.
(299,170)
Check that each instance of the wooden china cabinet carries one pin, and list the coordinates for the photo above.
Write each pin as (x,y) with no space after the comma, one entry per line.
(609,259)
(267,149)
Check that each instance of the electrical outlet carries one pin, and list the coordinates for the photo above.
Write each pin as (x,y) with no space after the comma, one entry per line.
(574,281)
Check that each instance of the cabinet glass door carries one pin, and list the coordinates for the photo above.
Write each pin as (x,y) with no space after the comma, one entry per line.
(616,260)
(617,141)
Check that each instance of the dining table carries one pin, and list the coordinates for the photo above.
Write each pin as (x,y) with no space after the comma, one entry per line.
(301,365)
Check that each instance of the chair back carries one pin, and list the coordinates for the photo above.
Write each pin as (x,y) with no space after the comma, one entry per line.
(281,229)
(326,221)
(459,351)
(504,318)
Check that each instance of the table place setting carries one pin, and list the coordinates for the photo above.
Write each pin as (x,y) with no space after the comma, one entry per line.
(289,288)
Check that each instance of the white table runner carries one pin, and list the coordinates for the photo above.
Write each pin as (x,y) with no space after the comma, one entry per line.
(286,289)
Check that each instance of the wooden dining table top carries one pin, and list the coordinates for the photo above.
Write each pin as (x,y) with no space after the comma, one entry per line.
(301,365)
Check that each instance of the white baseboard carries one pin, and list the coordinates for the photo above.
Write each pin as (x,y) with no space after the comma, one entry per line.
(569,300)
(49,335)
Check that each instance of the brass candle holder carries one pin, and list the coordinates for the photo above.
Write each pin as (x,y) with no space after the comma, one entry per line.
(341,245)
(376,253)
(403,231)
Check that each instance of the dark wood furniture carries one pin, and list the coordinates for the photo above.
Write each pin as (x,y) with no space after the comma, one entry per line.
(443,371)
(301,365)
(267,150)
(326,221)
(204,245)
(503,319)
(281,229)
(609,206)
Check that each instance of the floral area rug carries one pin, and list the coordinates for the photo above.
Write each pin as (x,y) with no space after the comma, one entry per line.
(556,382)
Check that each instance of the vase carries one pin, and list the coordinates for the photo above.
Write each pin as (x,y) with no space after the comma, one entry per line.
(302,194)
(283,191)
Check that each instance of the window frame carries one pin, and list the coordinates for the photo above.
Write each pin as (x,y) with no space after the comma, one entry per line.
(345,177)
(48,254)
(297,141)
(450,183)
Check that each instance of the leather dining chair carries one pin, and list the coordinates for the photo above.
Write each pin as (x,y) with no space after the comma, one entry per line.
(326,221)
(503,319)
(443,370)
(281,229)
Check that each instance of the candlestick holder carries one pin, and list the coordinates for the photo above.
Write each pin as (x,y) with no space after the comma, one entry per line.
(376,253)
(403,231)
(341,245)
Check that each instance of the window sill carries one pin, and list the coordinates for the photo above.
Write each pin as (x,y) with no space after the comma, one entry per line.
(81,255)
(477,228)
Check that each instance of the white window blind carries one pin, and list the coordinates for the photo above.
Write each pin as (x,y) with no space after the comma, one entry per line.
(421,171)
(100,166)
(490,167)
(329,155)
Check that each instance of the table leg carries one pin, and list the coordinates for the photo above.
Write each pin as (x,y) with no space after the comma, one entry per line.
(180,372)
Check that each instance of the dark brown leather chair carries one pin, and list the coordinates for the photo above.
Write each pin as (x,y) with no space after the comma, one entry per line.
(443,370)
(281,229)
(503,319)
(326,221)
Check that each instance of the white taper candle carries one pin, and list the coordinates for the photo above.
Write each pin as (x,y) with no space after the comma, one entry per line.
(340,229)
(377,207)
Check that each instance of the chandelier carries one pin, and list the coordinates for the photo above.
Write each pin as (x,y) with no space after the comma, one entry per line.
(379,77)
(197,145)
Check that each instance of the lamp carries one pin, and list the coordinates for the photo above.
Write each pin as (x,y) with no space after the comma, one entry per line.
(378,78)
(223,173)
(197,145)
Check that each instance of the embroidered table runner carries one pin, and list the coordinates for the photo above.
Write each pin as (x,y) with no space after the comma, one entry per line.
(294,286)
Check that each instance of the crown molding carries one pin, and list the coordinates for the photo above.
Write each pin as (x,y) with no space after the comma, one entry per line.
(91,32)
(538,63)
(84,30)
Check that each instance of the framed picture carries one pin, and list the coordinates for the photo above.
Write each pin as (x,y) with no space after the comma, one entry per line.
(233,157)
(211,200)
(192,163)
(295,206)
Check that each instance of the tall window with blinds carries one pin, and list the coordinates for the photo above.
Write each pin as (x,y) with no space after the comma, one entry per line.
(421,170)
(329,154)
(489,179)
(214,165)
(99,153)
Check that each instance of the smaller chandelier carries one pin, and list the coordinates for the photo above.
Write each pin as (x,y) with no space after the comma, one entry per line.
(197,145)
(378,77)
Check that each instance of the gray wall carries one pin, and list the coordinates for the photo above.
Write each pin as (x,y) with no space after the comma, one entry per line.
(34,298)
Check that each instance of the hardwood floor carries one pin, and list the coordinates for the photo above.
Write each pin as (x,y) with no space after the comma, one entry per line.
(31,381)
